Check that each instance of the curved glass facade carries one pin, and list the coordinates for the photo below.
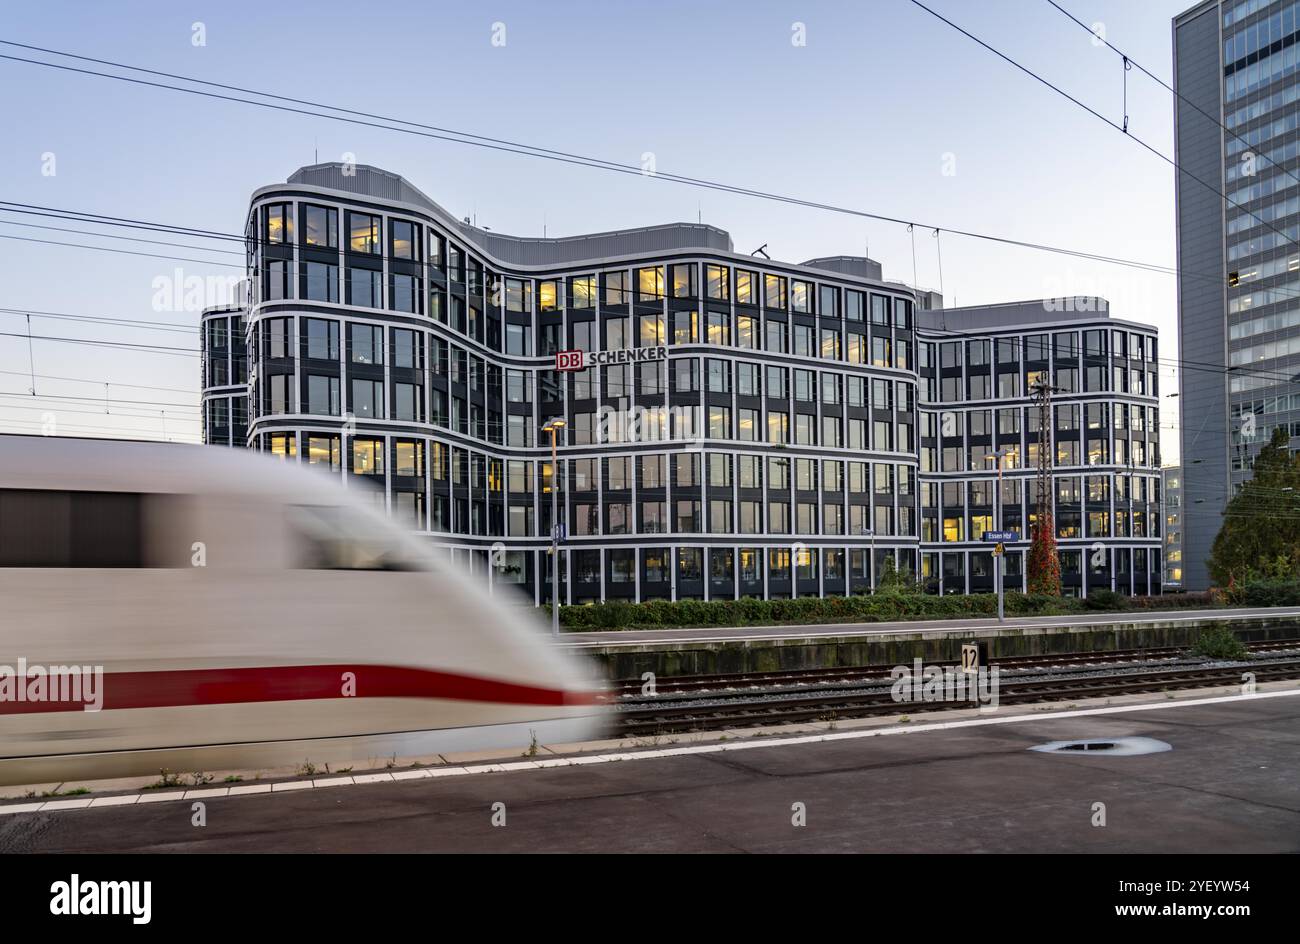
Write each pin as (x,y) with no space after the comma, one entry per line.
(750,428)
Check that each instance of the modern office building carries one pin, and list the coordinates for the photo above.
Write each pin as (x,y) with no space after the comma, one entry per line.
(1238,221)
(1172,493)
(733,426)
(978,368)
(225,373)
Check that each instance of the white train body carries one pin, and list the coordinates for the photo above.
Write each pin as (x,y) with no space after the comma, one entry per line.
(269,617)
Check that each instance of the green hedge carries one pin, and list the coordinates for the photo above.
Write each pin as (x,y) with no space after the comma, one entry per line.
(882,607)
(890,606)
(1284,592)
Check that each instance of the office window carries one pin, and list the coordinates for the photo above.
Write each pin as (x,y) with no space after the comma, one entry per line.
(366,343)
(324,450)
(747,425)
(719,376)
(322,395)
(363,233)
(548,296)
(517,340)
(322,339)
(831,344)
(404,293)
(686,327)
(321,226)
(279,223)
(777,339)
(405,240)
(616,288)
(365,287)
(719,328)
(718,281)
(747,332)
(407,401)
(719,422)
(651,330)
(800,296)
(828,301)
(368,457)
(367,401)
(774,288)
(683,280)
(650,284)
(853,305)
(583,290)
(321,282)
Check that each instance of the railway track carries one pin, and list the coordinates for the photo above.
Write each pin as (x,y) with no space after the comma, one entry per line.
(827,695)
(631,688)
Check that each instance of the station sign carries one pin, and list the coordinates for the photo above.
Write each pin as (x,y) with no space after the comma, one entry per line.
(1000,537)
(974,656)
(570,361)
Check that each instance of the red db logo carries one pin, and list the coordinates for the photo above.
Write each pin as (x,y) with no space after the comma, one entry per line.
(568,360)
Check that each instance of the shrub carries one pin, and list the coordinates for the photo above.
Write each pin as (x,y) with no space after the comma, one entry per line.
(1103,599)
(1219,642)
(611,615)
(1277,592)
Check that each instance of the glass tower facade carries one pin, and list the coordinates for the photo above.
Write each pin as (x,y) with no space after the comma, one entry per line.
(1237,133)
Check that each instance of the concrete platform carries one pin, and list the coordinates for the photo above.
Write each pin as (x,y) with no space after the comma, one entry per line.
(670,652)
(1231,783)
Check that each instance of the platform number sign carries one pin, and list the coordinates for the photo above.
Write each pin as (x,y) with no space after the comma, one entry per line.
(974,655)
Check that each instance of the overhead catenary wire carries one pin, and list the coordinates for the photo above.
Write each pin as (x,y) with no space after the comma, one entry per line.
(130,345)
(214,234)
(124,252)
(1130,61)
(468,138)
(103,319)
(100,383)
(1100,117)
(133,239)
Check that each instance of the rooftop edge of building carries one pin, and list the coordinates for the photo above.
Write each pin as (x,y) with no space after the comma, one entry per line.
(367,181)
(1194,11)
(1022,314)
(863,267)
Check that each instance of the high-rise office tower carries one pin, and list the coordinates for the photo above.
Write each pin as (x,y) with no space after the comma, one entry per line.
(1237,138)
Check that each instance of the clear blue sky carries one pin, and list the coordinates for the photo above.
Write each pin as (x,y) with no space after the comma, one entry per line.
(863,115)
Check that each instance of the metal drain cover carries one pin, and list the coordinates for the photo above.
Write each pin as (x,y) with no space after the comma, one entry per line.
(1108,747)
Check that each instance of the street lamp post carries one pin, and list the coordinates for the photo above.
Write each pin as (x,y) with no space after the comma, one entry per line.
(997,518)
(553,427)
(870,534)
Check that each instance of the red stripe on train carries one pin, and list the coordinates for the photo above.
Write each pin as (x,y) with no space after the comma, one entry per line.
(186,687)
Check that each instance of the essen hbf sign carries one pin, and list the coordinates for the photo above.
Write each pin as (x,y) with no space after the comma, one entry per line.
(581,360)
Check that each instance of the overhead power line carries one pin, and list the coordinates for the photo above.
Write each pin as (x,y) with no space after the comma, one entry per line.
(124,252)
(133,239)
(103,319)
(1151,75)
(1100,117)
(352,116)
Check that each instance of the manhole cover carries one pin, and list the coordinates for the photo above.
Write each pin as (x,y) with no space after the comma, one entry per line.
(1111,747)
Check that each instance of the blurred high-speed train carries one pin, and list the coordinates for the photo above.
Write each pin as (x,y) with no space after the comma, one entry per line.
(246,613)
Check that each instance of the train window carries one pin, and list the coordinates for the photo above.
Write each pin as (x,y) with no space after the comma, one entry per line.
(335,537)
(47,528)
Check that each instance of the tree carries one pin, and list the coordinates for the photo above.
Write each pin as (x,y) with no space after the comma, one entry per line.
(894,580)
(1260,535)
(1044,564)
